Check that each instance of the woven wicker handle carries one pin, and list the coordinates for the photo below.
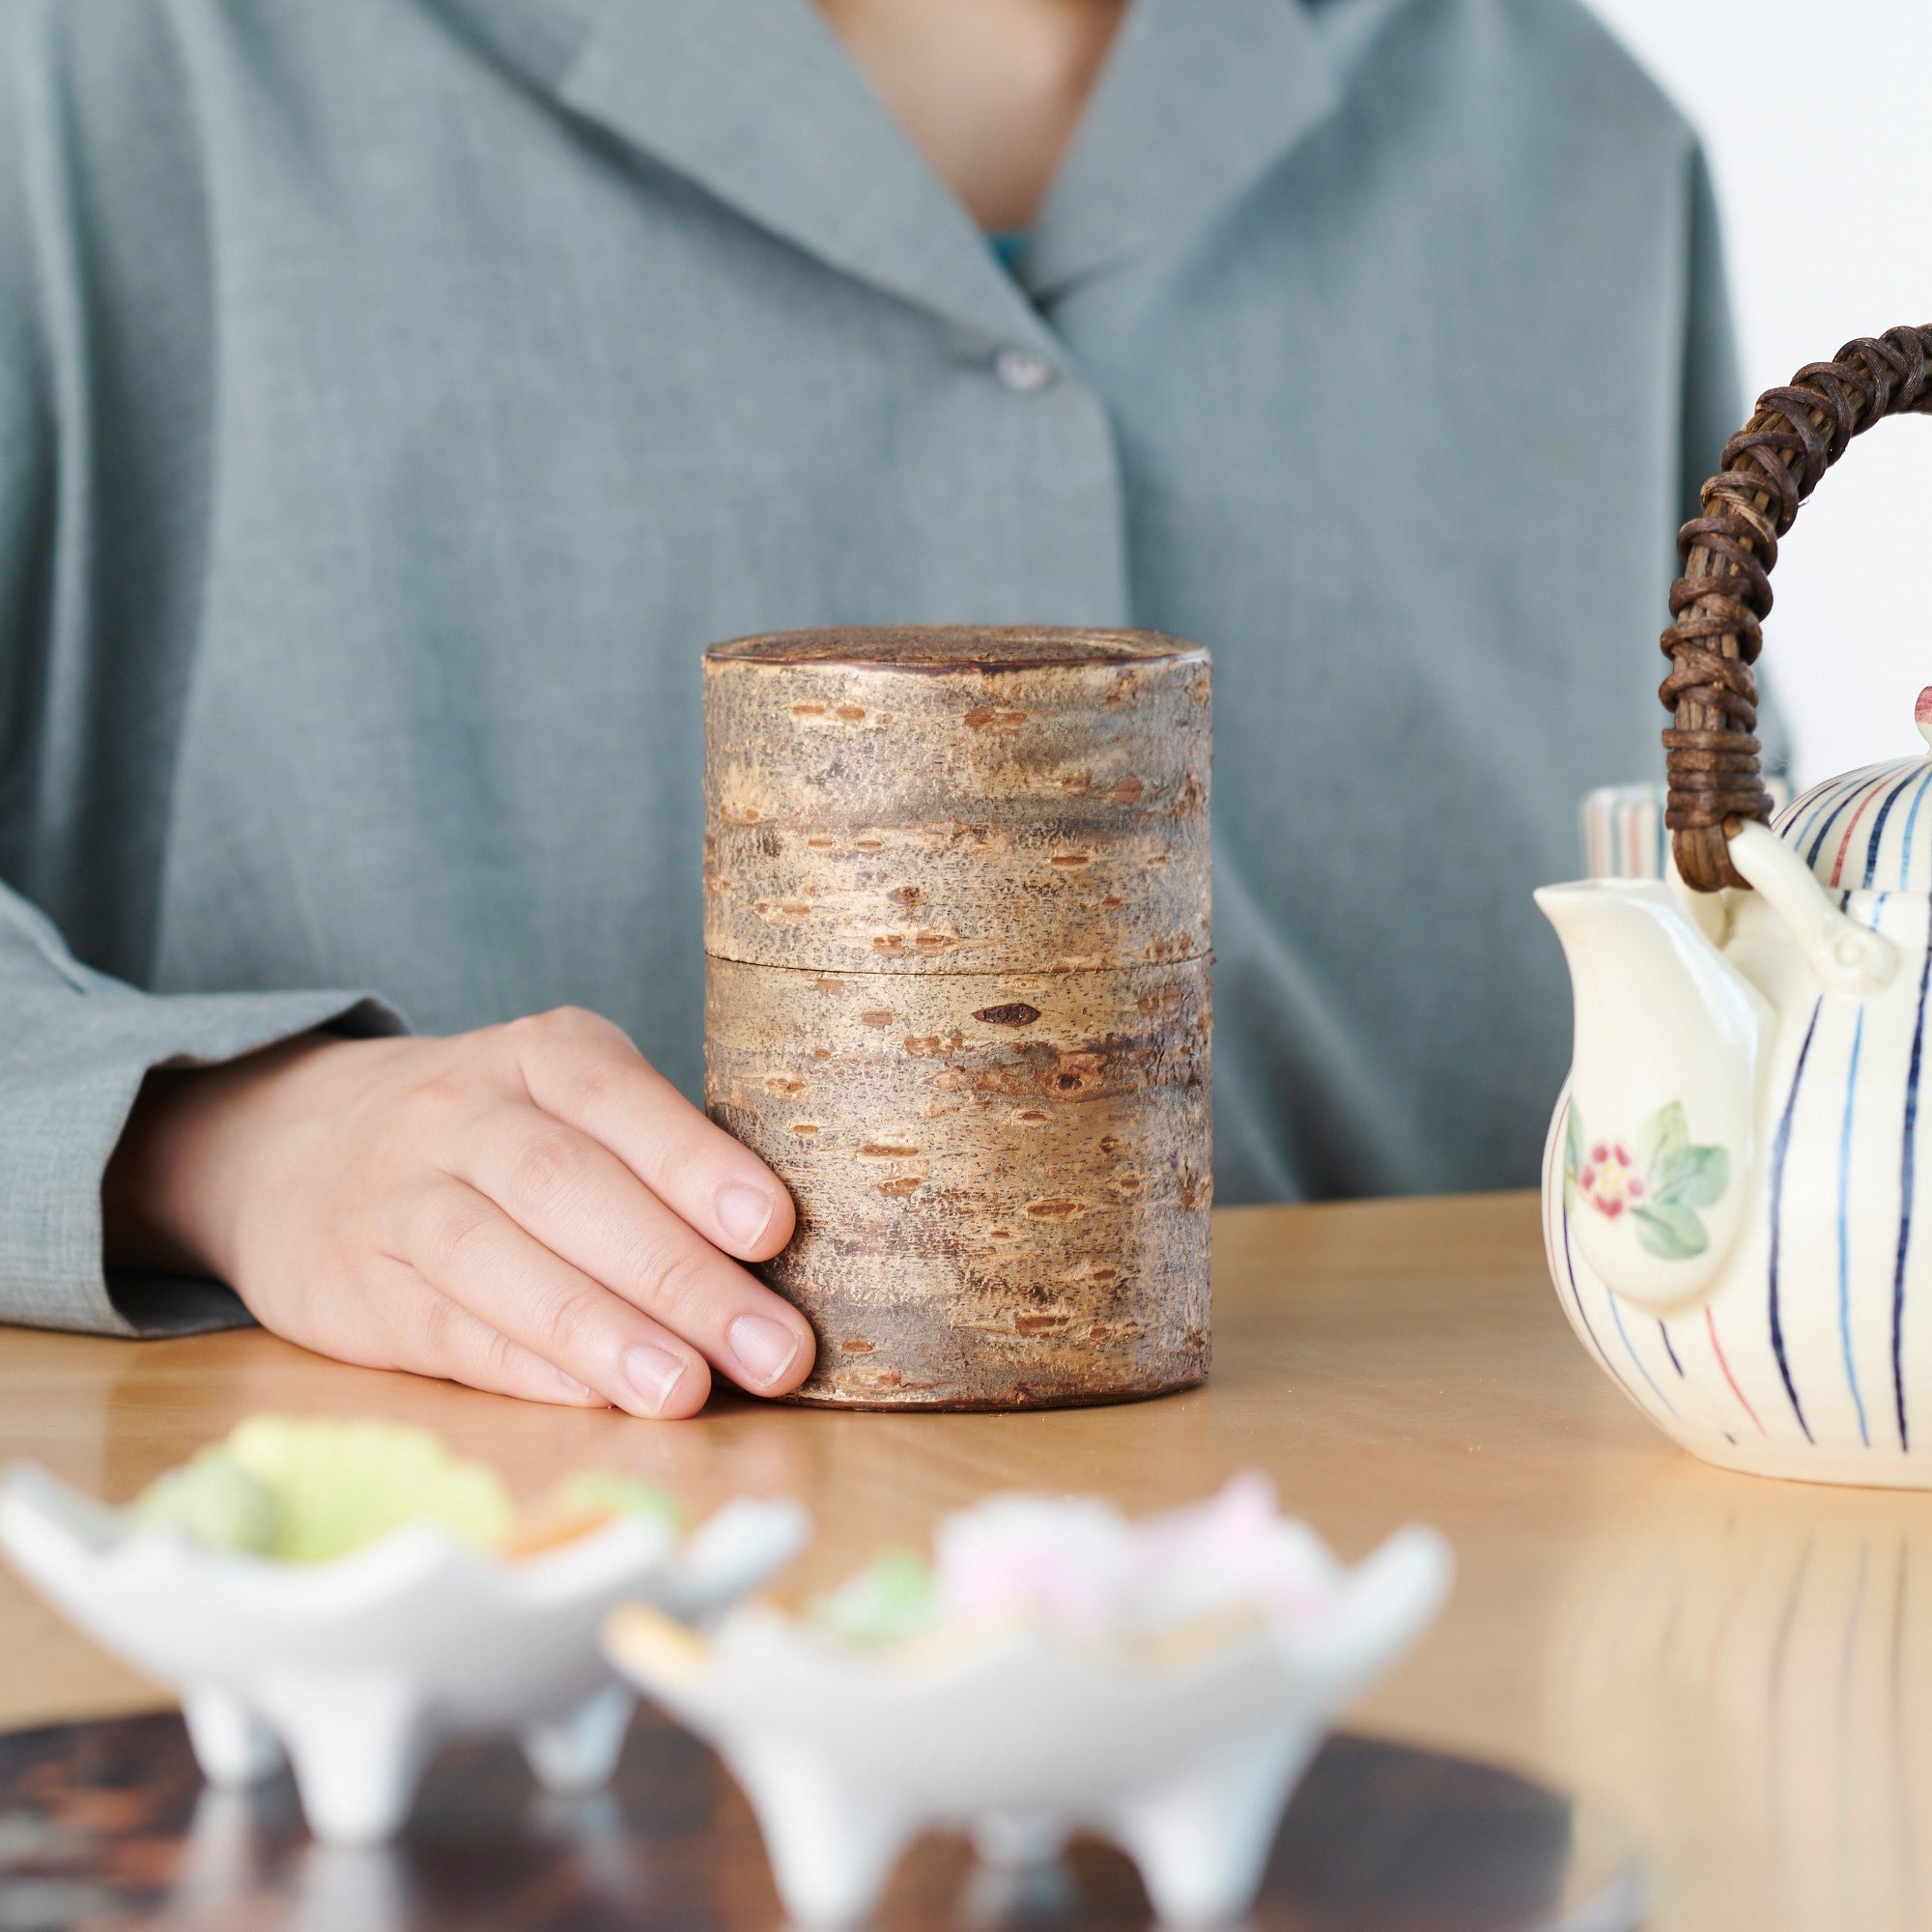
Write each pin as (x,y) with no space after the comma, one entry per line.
(1770,466)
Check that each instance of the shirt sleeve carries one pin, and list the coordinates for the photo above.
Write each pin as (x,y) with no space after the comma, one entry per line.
(75,1043)
(75,1046)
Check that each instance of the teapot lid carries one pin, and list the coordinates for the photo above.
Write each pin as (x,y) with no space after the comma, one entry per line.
(1870,830)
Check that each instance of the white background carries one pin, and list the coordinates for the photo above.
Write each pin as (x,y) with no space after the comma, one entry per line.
(1818,115)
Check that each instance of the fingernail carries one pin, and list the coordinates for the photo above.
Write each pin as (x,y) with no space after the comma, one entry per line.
(581,1392)
(744,1213)
(765,1348)
(653,1374)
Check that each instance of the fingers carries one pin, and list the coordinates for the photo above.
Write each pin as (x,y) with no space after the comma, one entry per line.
(472,1251)
(585,1071)
(428,1335)
(569,1192)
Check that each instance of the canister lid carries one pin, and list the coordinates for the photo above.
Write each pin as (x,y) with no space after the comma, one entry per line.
(957,799)
(955,648)
(1871,829)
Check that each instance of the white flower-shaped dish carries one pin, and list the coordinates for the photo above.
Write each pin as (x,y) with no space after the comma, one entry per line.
(1182,1748)
(359,1668)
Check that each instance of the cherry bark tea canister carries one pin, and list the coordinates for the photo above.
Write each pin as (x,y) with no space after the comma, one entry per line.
(957,994)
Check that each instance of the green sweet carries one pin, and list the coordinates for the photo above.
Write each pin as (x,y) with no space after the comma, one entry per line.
(611,1492)
(340,1485)
(307,1492)
(895,1597)
(213,1501)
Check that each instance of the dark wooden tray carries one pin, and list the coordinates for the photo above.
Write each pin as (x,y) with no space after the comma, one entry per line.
(109,1824)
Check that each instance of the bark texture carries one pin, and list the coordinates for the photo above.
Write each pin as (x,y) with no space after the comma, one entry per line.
(957,997)
(960,801)
(1003,1181)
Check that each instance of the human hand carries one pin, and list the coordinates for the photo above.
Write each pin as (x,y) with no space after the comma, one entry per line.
(530,1209)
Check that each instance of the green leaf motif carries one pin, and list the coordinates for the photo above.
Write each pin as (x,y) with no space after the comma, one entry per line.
(1671,1180)
(1694,1177)
(1673,1234)
(1665,1135)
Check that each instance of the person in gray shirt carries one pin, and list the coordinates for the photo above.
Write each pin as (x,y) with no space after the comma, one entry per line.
(396,395)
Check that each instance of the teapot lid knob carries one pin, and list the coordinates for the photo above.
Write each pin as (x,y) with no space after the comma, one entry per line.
(1922,713)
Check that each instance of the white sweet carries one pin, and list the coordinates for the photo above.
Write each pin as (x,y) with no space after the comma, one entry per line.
(361,1665)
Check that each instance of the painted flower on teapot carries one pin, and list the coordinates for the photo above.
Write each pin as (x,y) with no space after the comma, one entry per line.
(1661,1186)
(1738,1188)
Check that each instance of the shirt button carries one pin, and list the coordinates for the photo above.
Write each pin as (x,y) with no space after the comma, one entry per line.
(1022,372)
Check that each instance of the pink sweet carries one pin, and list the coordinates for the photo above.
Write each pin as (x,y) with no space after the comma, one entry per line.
(1234,1549)
(1067,1562)
(1082,1565)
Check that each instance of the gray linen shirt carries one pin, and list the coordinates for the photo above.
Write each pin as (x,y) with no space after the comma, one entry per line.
(395,396)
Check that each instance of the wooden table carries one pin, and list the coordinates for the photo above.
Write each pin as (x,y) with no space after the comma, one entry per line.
(1736,1667)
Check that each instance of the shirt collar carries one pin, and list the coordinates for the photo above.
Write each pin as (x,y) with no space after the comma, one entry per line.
(756,102)
(1198,97)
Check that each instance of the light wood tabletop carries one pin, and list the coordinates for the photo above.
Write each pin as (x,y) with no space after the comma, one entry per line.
(1737,1668)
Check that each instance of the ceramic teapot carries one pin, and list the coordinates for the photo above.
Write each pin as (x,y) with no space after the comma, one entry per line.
(1738,1180)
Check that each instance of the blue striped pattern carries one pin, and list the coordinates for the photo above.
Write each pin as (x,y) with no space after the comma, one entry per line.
(1663,1333)
(1844,1203)
(1829,869)
(1861,829)
(1911,825)
(1781,1147)
(1617,1316)
(1624,834)
(1844,1230)
(1917,773)
(1906,1178)
(1813,812)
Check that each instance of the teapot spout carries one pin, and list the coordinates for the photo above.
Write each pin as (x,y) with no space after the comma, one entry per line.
(1658,1151)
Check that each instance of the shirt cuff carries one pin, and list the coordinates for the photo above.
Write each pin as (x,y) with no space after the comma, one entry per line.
(70,1075)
